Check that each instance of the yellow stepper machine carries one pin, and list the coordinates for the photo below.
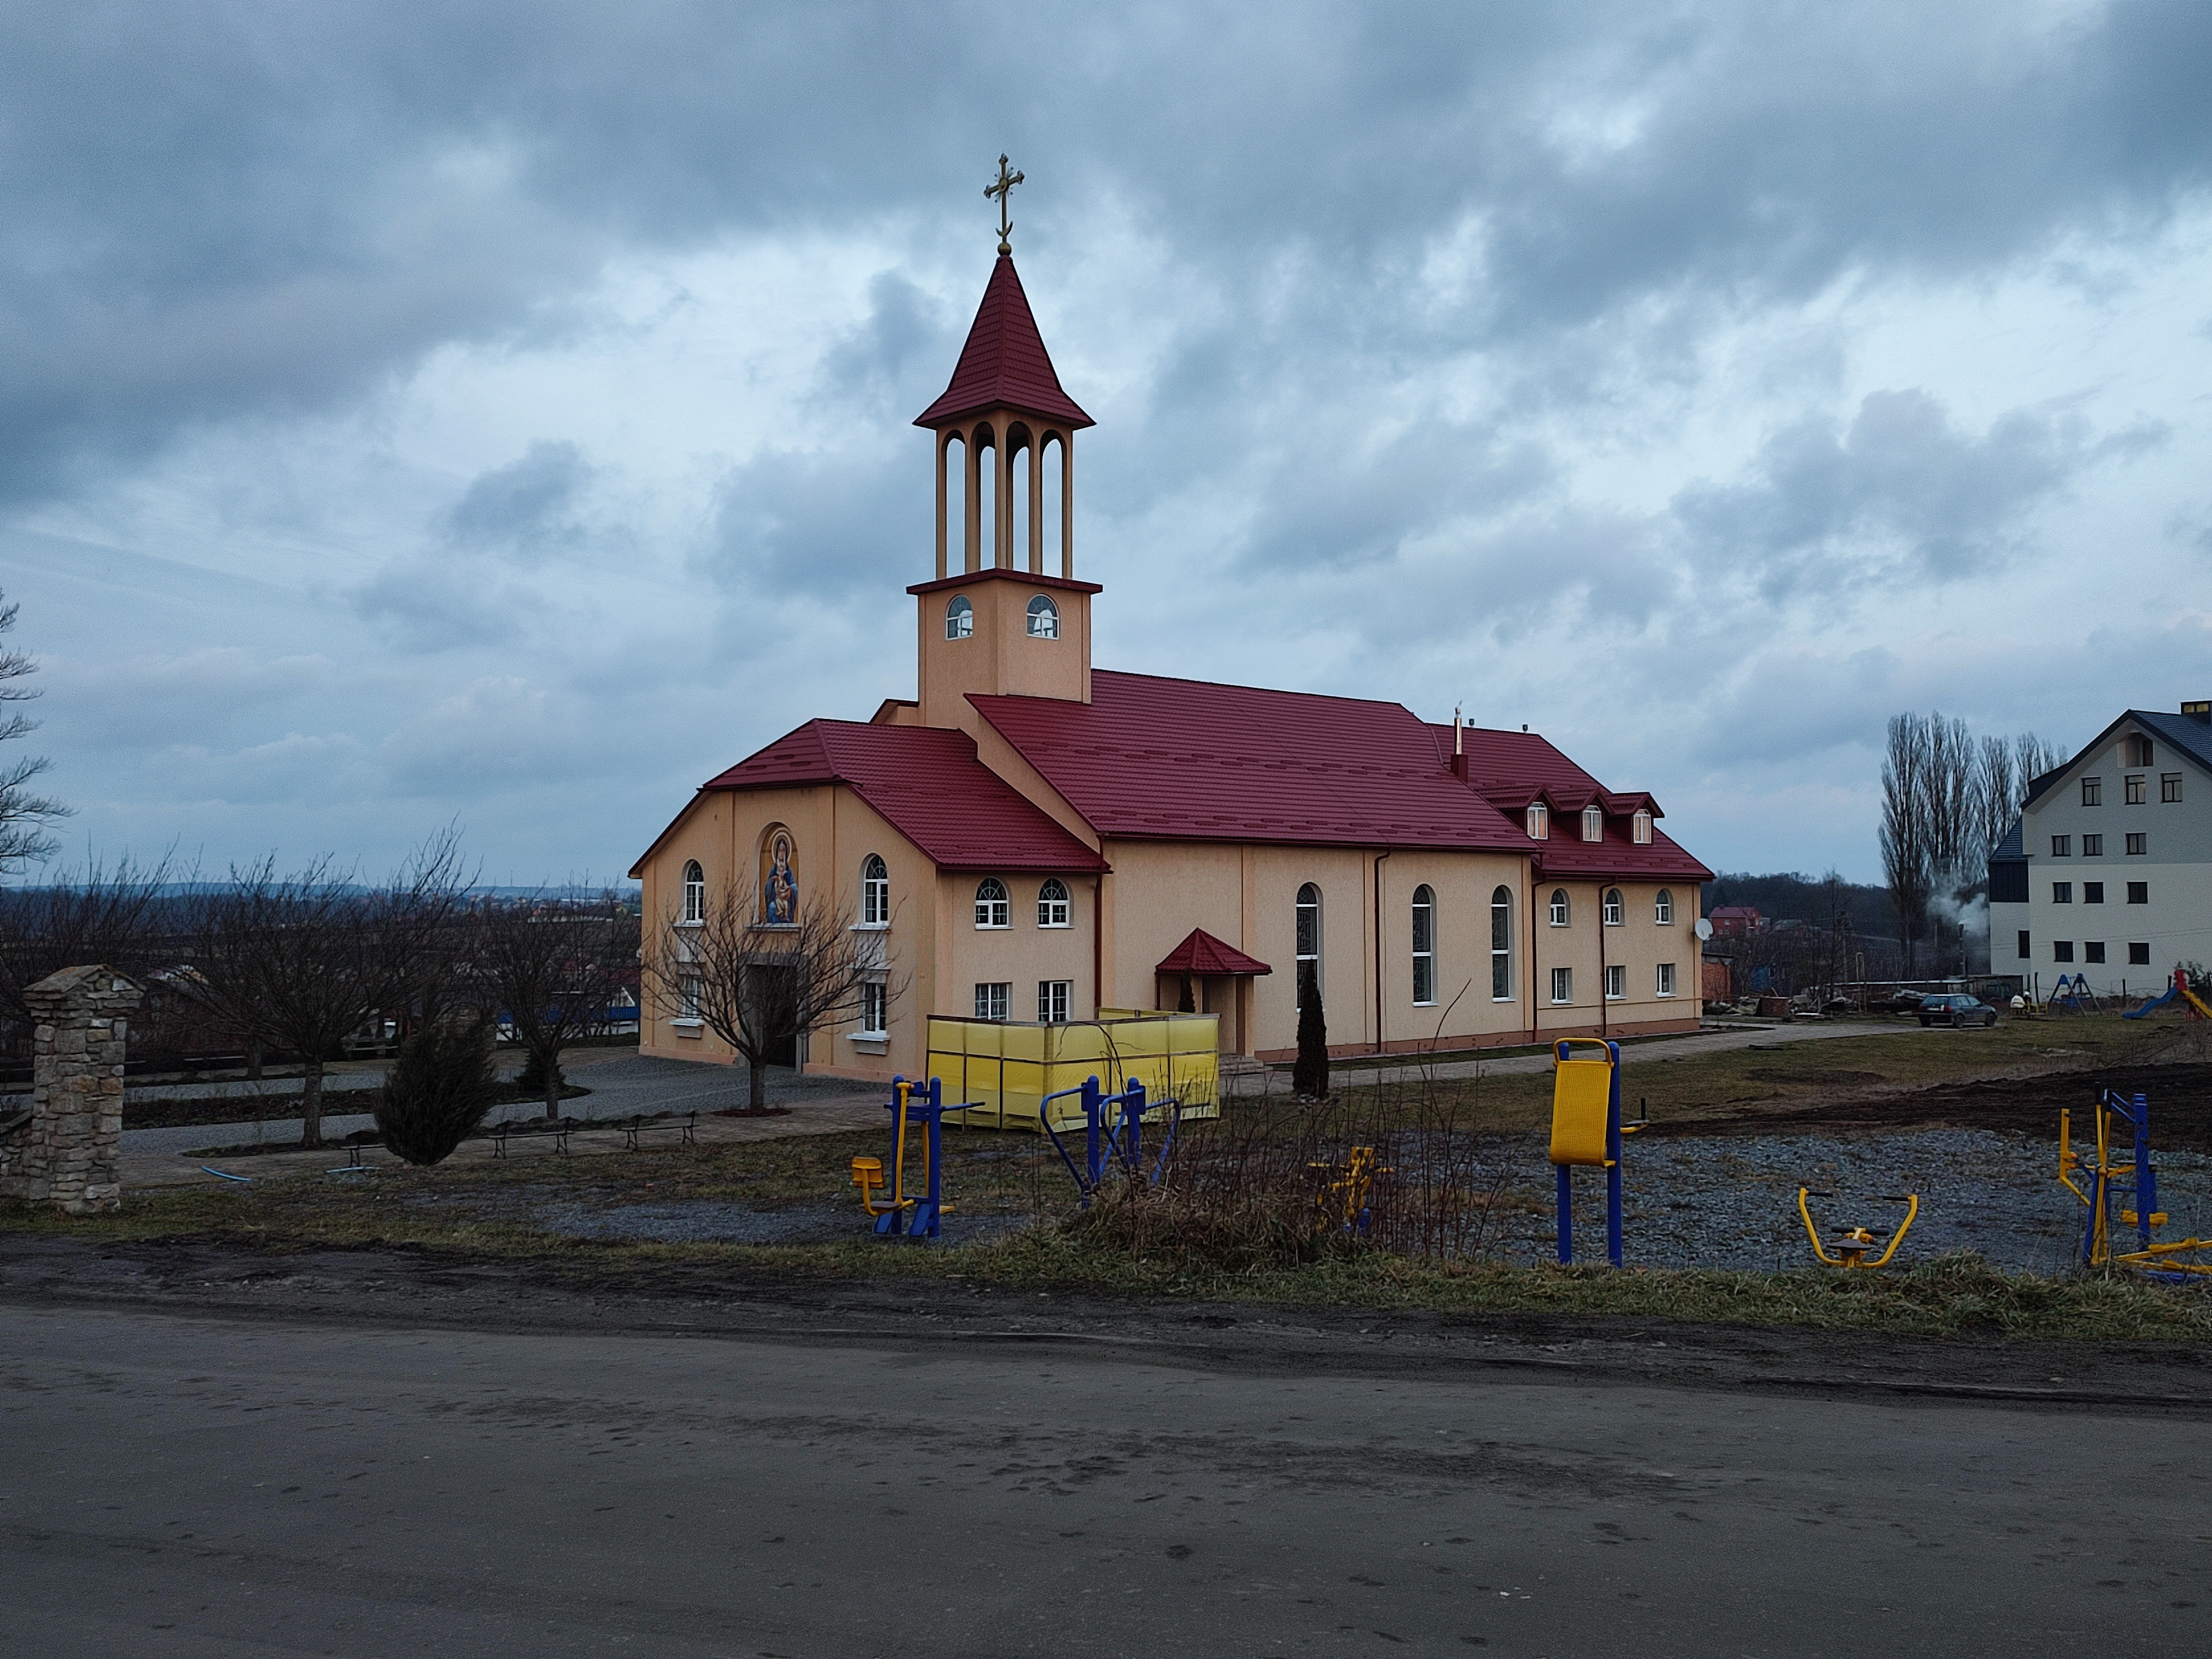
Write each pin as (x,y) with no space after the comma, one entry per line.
(1586,1129)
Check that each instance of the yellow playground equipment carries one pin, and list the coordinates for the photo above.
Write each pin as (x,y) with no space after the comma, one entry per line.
(2107,1179)
(1346,1188)
(1586,1129)
(1854,1244)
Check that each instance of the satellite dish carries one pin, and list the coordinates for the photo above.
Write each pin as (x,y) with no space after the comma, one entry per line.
(1704,928)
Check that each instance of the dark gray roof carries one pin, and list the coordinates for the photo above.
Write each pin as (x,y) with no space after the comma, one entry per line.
(2191,736)
(2013,849)
(2186,732)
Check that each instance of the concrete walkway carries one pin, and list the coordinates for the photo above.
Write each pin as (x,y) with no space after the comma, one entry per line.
(1355,1072)
(624,1084)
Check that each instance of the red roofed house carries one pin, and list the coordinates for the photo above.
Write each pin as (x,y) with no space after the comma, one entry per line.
(1035,840)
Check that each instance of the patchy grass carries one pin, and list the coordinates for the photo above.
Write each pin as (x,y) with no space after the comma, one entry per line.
(1737,1083)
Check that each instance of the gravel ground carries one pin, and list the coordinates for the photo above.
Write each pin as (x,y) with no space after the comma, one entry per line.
(1732,1202)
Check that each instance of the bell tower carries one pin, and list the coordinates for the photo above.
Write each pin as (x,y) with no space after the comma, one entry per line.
(1000,623)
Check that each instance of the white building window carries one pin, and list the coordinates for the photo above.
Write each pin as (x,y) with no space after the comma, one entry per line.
(1051,1001)
(1666,979)
(875,1006)
(1539,821)
(875,892)
(1560,912)
(1424,945)
(1640,827)
(1614,910)
(1044,618)
(2092,792)
(1616,982)
(1052,903)
(1501,944)
(992,908)
(1593,824)
(1563,985)
(1309,940)
(992,999)
(695,893)
(959,618)
(1662,908)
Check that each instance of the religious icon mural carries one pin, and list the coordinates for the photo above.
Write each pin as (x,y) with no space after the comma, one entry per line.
(779,879)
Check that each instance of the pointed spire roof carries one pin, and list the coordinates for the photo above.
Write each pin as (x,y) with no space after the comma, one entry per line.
(1004,362)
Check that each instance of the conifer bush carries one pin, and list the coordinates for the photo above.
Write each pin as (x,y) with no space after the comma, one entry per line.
(442,1085)
(1310,1075)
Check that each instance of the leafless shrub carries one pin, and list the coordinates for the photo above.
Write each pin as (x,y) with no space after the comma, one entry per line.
(551,965)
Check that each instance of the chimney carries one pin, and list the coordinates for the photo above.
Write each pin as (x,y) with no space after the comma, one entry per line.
(2198,711)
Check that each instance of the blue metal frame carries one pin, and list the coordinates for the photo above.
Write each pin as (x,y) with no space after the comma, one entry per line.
(2102,1193)
(1111,1138)
(1560,1051)
(927,1216)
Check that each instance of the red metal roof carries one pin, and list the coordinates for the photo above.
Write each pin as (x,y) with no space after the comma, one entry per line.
(929,784)
(1004,362)
(1202,953)
(1511,768)
(1188,760)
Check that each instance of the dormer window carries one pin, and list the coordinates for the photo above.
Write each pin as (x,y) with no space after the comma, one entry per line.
(1539,821)
(1593,824)
(2140,751)
(1640,828)
(1044,618)
(959,618)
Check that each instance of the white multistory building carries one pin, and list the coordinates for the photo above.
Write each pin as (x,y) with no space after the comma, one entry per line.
(2108,874)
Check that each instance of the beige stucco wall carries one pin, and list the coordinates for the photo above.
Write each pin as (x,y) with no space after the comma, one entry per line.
(1640,943)
(1019,955)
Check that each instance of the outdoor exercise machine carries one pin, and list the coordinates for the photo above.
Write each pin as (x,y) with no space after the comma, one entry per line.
(1854,1244)
(914,1206)
(1347,1189)
(1586,1129)
(2104,1195)
(1113,1134)
(2193,1006)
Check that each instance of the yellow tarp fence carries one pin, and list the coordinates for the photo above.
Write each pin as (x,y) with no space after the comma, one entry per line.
(1006,1069)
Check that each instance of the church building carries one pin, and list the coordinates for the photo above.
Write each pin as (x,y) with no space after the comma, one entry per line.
(1035,839)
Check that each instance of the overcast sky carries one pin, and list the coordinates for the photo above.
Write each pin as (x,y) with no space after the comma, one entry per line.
(500,414)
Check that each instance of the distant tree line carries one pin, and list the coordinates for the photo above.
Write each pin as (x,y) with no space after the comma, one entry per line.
(1948,799)
(306,963)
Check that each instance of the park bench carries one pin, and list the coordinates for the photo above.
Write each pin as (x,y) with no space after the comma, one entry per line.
(560,1129)
(643,1125)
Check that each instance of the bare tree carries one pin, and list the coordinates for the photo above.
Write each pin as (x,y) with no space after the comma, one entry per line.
(114,917)
(23,816)
(1905,852)
(304,960)
(1996,794)
(553,966)
(761,987)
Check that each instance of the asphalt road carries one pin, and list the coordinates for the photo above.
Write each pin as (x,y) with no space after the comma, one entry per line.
(175,1485)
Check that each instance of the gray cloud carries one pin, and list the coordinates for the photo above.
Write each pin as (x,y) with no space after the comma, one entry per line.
(527,506)
(1899,492)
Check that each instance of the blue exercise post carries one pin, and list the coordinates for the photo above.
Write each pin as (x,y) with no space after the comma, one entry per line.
(1586,1130)
(914,1206)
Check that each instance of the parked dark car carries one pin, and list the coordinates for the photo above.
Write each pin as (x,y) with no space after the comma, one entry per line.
(1948,1010)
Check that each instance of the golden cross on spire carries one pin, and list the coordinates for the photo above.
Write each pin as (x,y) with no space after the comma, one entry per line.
(1003,191)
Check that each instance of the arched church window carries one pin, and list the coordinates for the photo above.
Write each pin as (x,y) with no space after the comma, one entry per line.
(1424,944)
(1044,618)
(875,894)
(1309,941)
(992,908)
(1662,908)
(959,618)
(1593,824)
(1501,944)
(1052,903)
(1559,911)
(1612,907)
(695,892)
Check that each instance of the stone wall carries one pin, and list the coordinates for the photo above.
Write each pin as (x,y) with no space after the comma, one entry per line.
(62,1150)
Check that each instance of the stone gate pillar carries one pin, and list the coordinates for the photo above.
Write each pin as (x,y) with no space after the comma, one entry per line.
(63,1154)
